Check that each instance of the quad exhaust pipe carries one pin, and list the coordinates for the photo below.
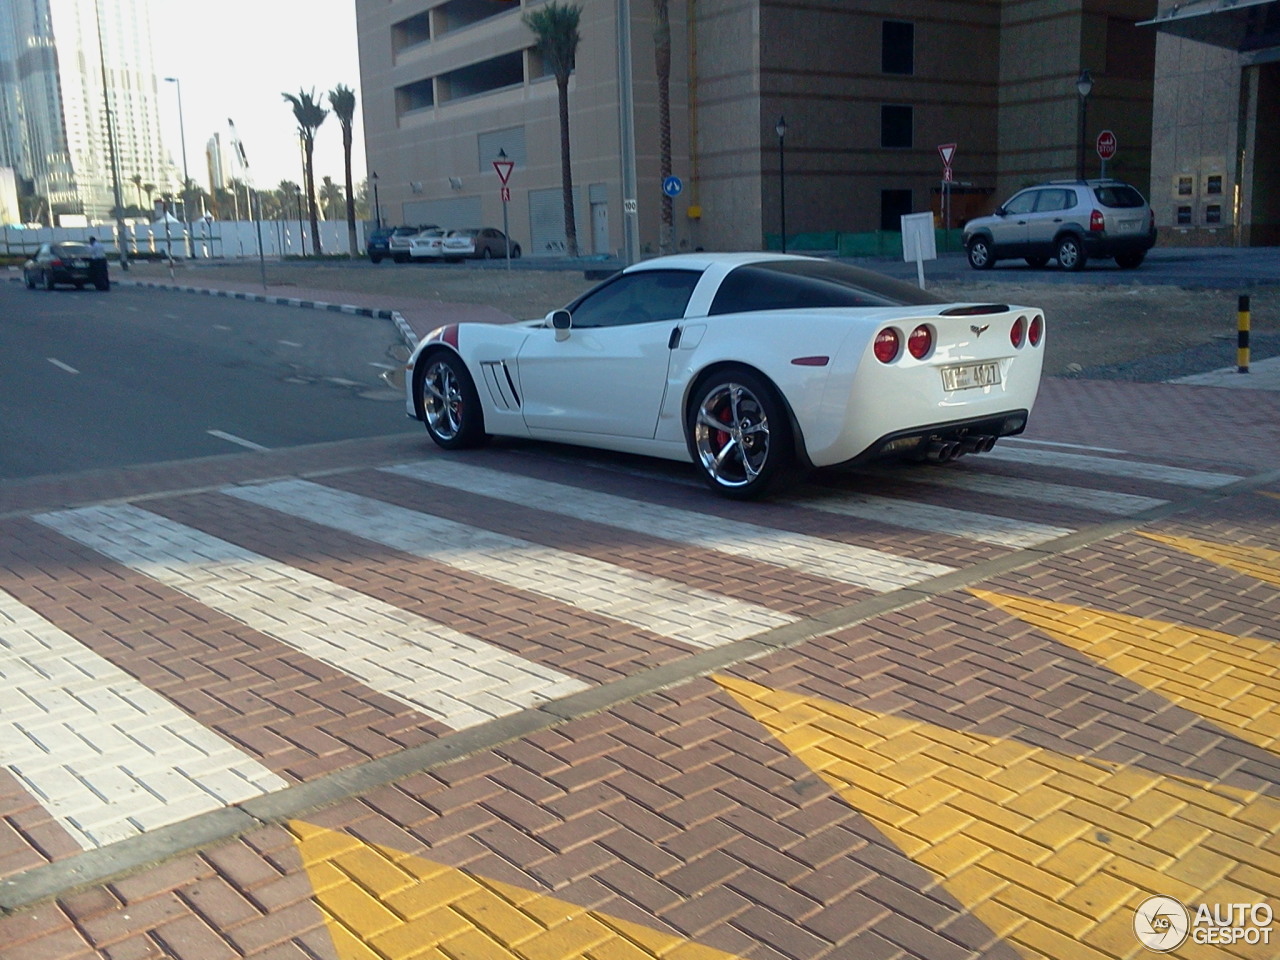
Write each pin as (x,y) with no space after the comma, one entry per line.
(944,451)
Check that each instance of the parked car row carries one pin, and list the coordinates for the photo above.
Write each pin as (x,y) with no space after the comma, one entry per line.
(432,242)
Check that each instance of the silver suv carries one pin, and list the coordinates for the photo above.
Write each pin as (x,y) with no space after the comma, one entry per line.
(1066,220)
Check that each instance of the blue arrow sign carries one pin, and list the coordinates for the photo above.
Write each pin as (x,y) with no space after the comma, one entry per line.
(672,186)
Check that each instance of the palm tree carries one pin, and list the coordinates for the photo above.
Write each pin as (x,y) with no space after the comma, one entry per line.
(136,180)
(150,188)
(662,56)
(309,115)
(555,29)
(343,100)
(331,198)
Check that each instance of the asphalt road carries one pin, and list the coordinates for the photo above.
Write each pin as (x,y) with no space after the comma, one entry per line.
(91,380)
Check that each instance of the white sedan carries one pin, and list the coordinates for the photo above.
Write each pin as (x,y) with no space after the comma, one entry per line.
(427,245)
(755,367)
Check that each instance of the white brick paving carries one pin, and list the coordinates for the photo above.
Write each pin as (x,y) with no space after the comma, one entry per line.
(412,659)
(662,606)
(967,477)
(1105,466)
(108,757)
(816,556)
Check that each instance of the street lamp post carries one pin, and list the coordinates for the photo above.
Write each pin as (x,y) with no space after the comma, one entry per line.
(781,129)
(377,208)
(1084,86)
(186,177)
(302,236)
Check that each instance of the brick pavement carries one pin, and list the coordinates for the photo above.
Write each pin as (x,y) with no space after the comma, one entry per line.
(1000,761)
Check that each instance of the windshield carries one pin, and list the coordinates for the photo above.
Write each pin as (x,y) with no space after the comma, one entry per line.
(804,284)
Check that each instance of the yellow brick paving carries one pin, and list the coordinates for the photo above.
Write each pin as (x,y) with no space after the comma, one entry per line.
(1256,562)
(1230,680)
(384,904)
(1061,874)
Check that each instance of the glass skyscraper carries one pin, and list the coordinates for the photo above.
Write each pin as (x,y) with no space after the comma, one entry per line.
(54,58)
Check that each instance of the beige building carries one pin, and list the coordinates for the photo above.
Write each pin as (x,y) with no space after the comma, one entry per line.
(869,92)
(1216,152)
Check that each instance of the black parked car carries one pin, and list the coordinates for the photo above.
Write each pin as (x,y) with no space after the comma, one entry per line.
(66,263)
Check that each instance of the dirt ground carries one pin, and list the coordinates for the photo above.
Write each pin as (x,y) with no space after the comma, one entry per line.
(1091,327)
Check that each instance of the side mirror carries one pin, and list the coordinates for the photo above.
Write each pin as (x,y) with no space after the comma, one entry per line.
(561,321)
(1001,212)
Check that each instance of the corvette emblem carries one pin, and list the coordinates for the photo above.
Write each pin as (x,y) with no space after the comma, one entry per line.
(979,331)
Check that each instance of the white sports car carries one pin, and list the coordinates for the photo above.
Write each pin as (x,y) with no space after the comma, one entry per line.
(752,366)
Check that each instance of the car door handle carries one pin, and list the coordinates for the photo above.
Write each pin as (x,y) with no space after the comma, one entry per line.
(674,340)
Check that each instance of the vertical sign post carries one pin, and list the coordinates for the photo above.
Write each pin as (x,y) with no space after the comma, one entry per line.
(946,151)
(503,166)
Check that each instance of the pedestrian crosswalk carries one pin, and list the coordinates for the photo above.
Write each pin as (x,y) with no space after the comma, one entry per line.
(109,758)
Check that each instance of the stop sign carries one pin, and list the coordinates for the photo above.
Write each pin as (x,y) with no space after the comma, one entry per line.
(1106,145)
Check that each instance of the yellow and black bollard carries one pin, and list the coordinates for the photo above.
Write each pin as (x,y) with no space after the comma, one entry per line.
(1242,336)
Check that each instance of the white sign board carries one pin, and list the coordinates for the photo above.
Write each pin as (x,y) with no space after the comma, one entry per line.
(919,242)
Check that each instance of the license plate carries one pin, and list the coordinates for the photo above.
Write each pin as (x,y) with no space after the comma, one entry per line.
(79,264)
(969,375)
(1129,226)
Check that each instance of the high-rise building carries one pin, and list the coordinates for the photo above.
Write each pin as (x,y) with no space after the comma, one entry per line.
(70,72)
(213,158)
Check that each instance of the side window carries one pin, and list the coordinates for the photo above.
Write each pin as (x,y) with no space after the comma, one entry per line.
(1051,200)
(642,297)
(1021,203)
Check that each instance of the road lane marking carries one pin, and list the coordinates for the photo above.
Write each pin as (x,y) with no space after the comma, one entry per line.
(1135,469)
(379,902)
(455,678)
(671,609)
(1018,488)
(1056,443)
(971,525)
(1052,852)
(62,366)
(107,756)
(232,438)
(816,556)
(1229,680)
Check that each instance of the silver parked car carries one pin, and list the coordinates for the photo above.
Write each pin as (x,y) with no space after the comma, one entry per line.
(1066,220)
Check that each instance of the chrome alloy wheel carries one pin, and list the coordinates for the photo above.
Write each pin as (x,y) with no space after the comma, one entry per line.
(731,435)
(442,400)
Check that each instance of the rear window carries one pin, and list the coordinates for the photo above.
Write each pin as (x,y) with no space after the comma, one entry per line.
(1119,195)
(805,284)
(71,249)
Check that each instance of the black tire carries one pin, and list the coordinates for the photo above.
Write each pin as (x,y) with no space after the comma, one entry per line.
(400,258)
(48,281)
(26,278)
(487,254)
(1130,261)
(515,251)
(739,434)
(1071,254)
(979,251)
(103,284)
(1037,262)
(79,286)
(450,406)
(375,257)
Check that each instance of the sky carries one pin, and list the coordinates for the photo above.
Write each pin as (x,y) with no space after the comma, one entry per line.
(233,59)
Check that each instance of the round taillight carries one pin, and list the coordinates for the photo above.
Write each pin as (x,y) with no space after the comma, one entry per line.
(887,344)
(920,342)
(1036,332)
(1019,331)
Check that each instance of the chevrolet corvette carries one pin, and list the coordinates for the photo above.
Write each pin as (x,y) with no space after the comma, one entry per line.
(754,367)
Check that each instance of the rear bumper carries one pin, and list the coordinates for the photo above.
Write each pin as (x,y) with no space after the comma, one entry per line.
(914,443)
(1110,244)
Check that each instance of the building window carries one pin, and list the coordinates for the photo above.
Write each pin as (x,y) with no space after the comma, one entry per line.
(1213,184)
(1184,216)
(894,205)
(414,96)
(898,47)
(895,126)
(484,77)
(1186,186)
(1213,213)
(411,32)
